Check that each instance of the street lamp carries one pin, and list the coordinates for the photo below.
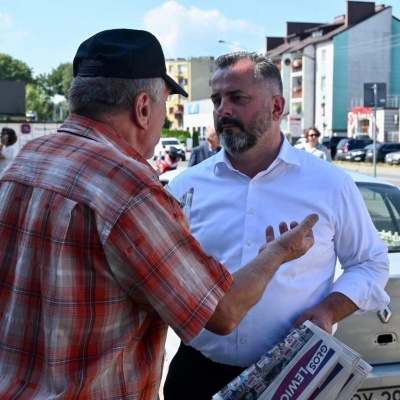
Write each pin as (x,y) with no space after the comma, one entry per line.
(232,44)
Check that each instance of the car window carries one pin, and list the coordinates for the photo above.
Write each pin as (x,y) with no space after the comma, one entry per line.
(383,203)
(169,142)
(342,143)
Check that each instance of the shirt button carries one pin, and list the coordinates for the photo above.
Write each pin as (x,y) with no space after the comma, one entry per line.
(243,340)
(253,182)
(251,211)
(249,243)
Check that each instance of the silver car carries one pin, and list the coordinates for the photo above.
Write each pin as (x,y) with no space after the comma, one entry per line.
(393,158)
(375,335)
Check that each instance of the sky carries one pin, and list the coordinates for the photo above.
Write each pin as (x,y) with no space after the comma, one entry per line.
(46,33)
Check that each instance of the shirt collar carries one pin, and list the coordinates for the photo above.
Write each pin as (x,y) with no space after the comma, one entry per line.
(99,132)
(287,154)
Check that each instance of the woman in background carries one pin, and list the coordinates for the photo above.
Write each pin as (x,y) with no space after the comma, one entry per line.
(314,147)
(8,147)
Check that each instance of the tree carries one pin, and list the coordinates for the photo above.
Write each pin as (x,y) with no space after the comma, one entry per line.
(59,80)
(14,70)
(38,100)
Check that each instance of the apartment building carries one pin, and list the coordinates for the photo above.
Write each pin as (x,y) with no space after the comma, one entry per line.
(194,75)
(325,67)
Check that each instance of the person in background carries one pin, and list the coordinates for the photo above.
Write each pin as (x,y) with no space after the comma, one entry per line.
(97,258)
(8,147)
(209,148)
(314,147)
(258,177)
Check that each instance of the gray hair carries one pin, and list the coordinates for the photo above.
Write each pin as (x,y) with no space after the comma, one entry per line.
(94,97)
(264,67)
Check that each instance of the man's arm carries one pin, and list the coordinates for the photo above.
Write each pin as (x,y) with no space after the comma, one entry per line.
(193,158)
(250,282)
(333,309)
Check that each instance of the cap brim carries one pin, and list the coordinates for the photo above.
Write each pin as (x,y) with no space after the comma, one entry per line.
(175,88)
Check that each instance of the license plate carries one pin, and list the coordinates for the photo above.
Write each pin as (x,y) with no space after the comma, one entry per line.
(380,394)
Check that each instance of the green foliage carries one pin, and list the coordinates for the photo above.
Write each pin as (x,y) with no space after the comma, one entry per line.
(180,135)
(14,70)
(38,100)
(60,79)
(195,138)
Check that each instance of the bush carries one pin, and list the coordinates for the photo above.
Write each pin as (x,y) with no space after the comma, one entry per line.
(180,135)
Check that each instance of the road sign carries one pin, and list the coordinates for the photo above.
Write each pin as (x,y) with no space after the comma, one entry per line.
(369,95)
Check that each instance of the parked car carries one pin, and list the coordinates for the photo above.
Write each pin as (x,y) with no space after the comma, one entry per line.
(375,334)
(361,136)
(381,150)
(347,144)
(165,144)
(358,154)
(331,143)
(393,158)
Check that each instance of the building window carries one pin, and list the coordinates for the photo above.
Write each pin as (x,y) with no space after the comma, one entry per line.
(182,68)
(323,84)
(317,34)
(171,68)
(171,110)
(323,56)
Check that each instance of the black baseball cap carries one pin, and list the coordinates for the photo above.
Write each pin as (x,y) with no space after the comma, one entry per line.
(124,53)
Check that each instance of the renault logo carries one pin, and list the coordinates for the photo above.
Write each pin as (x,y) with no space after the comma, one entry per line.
(385,314)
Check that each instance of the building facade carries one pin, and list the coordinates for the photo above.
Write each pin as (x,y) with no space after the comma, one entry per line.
(194,75)
(324,67)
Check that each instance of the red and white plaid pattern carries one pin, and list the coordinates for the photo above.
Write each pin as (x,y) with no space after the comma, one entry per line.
(95,261)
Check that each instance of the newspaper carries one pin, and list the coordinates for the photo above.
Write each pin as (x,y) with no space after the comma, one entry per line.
(307,364)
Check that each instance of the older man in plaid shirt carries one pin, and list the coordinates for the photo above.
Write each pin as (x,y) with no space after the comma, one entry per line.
(96,258)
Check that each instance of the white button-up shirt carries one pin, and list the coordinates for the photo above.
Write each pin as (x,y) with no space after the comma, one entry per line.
(229,215)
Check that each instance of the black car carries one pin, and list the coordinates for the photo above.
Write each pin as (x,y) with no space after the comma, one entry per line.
(347,144)
(331,143)
(358,154)
(381,150)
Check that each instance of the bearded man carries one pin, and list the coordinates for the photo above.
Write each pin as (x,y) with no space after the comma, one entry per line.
(259,179)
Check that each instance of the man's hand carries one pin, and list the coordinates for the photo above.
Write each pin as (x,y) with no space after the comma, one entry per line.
(294,242)
(330,311)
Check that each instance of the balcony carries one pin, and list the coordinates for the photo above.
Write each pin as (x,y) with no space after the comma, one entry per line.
(297,92)
(297,65)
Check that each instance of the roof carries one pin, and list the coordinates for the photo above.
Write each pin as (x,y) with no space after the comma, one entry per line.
(357,11)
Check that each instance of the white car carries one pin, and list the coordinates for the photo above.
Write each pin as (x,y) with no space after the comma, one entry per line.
(164,145)
(376,334)
(373,334)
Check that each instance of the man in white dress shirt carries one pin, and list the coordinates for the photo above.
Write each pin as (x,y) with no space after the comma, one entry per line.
(258,179)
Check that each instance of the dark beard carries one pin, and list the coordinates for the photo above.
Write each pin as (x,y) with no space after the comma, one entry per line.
(245,139)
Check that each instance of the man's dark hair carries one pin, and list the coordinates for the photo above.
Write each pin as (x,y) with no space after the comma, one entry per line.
(12,136)
(264,68)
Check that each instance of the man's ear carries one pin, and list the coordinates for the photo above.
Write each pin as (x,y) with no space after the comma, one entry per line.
(141,110)
(278,107)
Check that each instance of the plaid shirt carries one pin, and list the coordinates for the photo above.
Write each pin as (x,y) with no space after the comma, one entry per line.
(96,259)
